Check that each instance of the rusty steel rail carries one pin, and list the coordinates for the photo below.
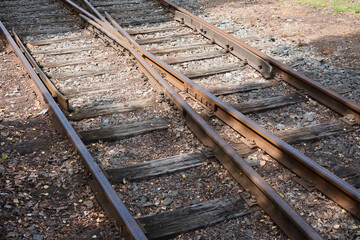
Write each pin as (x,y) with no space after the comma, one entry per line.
(118,209)
(322,94)
(280,211)
(332,186)
(59,97)
(338,190)
(250,58)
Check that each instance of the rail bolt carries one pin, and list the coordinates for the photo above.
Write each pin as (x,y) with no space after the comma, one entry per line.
(253,199)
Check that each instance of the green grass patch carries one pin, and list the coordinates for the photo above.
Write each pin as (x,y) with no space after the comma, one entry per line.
(340,8)
(337,5)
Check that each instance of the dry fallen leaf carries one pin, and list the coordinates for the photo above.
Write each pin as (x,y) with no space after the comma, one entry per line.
(30,46)
(53,149)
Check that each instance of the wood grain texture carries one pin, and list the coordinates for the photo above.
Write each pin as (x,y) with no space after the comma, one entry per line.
(268,103)
(134,31)
(125,130)
(85,73)
(67,50)
(208,72)
(195,57)
(311,132)
(190,218)
(178,49)
(143,21)
(79,61)
(225,89)
(59,40)
(108,109)
(75,92)
(156,167)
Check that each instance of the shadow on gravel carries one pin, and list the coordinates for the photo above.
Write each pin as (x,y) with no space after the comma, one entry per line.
(3,46)
(33,142)
(344,52)
(341,47)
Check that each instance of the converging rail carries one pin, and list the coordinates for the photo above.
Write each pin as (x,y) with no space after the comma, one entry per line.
(197,106)
(273,145)
(113,201)
(303,166)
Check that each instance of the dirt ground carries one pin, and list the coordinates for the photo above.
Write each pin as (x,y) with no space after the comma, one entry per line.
(335,35)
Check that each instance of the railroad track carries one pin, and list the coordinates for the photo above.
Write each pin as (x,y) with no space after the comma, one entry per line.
(111,101)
